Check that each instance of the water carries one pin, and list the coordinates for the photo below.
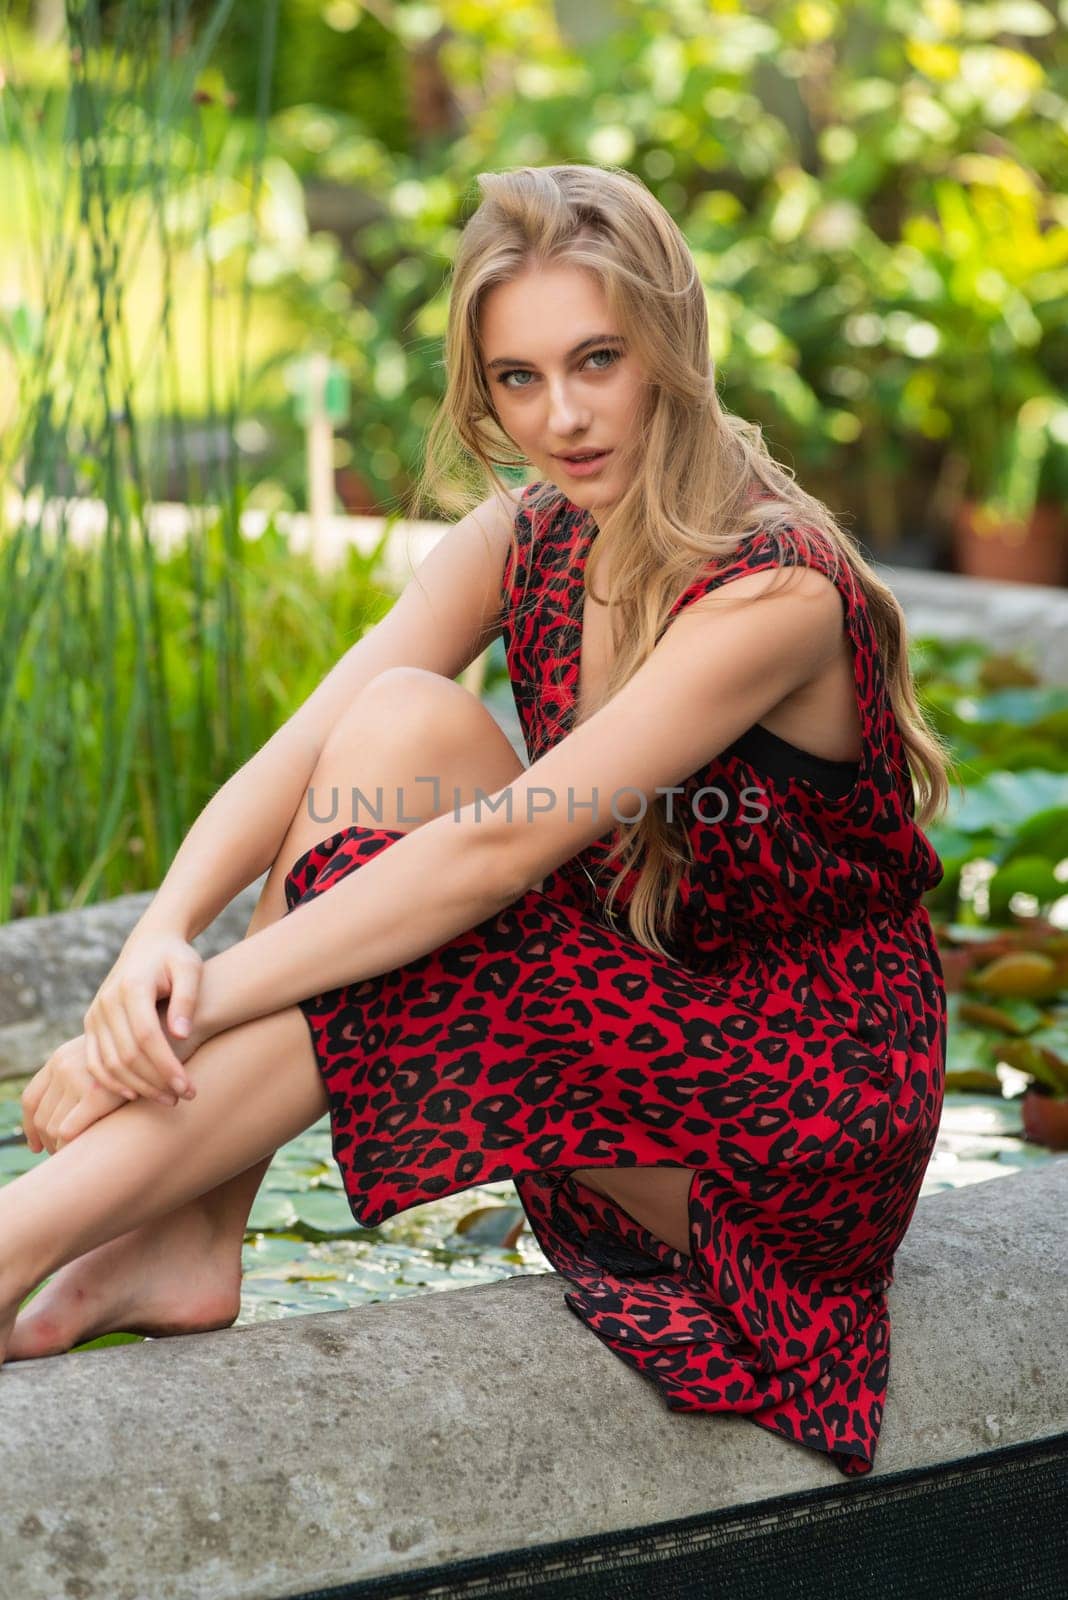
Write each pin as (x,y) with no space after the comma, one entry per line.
(304,1253)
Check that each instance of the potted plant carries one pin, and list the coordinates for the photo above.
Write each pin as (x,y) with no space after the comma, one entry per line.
(1044,1107)
(1015,996)
(983,302)
(1014,529)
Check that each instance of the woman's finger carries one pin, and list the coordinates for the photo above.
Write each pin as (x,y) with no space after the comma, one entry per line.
(93,1104)
(60,1111)
(99,1029)
(145,1019)
(76,1121)
(183,1001)
(130,1068)
(100,1073)
(44,1115)
(30,1105)
(31,1095)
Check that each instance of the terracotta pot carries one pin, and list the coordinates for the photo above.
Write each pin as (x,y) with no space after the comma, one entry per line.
(1031,552)
(1045,1119)
(357,499)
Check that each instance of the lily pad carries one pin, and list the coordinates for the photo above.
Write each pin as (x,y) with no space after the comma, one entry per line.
(1028,875)
(107,1339)
(325,1212)
(1020,707)
(971,1080)
(15,1159)
(493,1225)
(271,1213)
(1045,834)
(1006,1016)
(1003,801)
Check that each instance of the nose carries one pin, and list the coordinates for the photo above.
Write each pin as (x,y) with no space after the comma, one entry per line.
(567,415)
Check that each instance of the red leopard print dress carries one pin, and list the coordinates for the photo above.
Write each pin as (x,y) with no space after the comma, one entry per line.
(791,1052)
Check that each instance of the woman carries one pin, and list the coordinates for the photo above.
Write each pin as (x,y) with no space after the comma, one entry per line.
(715,1072)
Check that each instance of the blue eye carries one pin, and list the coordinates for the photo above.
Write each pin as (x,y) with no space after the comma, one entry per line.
(604,350)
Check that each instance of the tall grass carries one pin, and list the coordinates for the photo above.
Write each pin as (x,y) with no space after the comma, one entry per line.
(125,691)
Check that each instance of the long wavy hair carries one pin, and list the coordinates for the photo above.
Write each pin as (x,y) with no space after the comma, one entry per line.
(694,466)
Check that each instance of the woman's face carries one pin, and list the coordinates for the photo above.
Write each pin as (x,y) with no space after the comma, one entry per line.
(561,379)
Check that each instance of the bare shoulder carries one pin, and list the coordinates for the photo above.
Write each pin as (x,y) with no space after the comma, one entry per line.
(484,531)
(809,593)
(493,519)
(718,669)
(505,501)
(795,608)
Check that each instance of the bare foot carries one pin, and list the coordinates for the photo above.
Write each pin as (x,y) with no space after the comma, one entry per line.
(171,1276)
(7,1322)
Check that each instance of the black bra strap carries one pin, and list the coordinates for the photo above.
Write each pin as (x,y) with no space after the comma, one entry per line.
(780,759)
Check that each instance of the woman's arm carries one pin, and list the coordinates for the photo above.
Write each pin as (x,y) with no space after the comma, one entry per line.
(446,615)
(718,669)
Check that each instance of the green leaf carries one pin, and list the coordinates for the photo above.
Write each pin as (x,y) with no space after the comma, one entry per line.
(271,1213)
(1004,801)
(107,1339)
(1008,1016)
(1045,1067)
(1019,707)
(972,1080)
(1030,875)
(1044,834)
(325,1211)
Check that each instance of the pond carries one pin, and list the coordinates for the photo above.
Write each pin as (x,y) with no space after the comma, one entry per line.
(304,1253)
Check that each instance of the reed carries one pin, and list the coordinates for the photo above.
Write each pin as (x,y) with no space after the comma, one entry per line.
(129,687)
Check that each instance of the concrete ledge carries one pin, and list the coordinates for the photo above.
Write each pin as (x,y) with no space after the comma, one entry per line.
(277,1459)
(1008,616)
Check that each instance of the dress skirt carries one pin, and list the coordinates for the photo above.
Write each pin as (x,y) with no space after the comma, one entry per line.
(544,1040)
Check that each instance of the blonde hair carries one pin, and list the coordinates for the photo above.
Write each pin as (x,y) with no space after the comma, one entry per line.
(688,500)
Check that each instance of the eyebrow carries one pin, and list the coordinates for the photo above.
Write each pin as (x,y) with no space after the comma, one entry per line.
(596,338)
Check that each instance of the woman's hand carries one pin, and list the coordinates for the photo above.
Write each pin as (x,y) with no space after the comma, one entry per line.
(63,1099)
(131,1049)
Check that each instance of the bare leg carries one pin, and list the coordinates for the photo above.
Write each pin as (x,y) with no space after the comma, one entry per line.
(657,1197)
(161,1195)
(257,1086)
(178,1274)
(180,1271)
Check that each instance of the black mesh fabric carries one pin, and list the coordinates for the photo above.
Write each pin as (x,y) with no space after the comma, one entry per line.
(980,1528)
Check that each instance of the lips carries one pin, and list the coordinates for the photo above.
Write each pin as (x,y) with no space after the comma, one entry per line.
(585,466)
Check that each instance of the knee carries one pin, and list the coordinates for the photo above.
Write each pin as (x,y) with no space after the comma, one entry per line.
(409,708)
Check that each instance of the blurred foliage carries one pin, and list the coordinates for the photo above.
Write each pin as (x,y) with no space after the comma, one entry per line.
(1001,910)
(868,188)
(116,703)
(1004,838)
(1008,1009)
(102,703)
(204,190)
(874,190)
